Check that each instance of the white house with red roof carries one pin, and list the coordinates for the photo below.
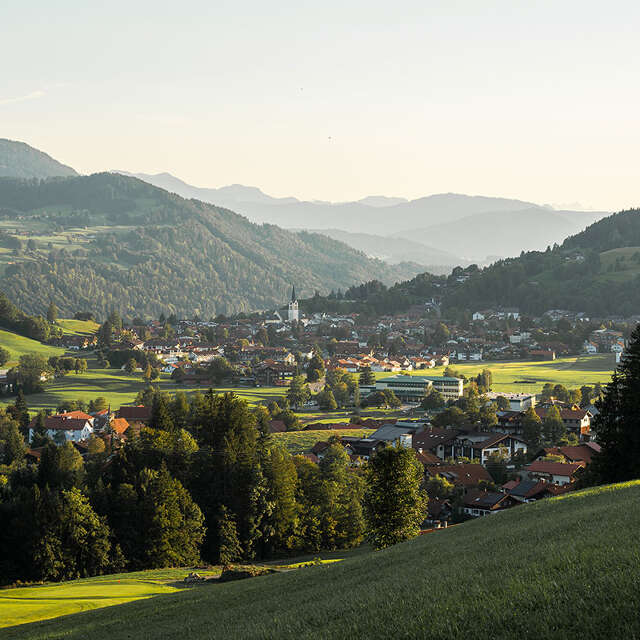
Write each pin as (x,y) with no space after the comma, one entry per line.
(73,426)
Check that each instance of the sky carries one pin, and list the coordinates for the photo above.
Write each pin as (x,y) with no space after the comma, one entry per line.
(335,100)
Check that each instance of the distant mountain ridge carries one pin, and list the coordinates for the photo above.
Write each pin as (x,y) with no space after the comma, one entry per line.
(144,251)
(397,250)
(473,227)
(19,160)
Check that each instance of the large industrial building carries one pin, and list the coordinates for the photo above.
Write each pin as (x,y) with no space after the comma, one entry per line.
(415,388)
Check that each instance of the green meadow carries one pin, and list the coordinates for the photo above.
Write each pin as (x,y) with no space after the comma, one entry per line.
(19,346)
(560,568)
(530,376)
(302,441)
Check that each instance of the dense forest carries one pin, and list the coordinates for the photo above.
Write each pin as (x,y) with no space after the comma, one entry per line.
(149,252)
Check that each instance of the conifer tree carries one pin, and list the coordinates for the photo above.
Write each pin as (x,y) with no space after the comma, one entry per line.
(617,424)
(228,545)
(160,416)
(367,378)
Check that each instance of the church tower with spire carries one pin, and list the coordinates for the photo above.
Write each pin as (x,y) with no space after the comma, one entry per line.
(293,313)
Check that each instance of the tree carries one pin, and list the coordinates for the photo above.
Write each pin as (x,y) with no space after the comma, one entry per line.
(326,400)
(131,366)
(147,373)
(4,356)
(52,312)
(31,373)
(21,411)
(617,424)
(439,487)
(298,392)
(172,523)
(315,368)
(502,404)
(229,545)
(433,400)
(98,404)
(160,416)
(395,504)
(80,365)
(532,429)
(367,377)
(553,427)
(12,445)
(96,445)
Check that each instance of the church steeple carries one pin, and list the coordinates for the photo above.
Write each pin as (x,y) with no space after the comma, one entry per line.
(293,314)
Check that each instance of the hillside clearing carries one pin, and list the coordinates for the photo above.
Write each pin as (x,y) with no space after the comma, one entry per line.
(302,441)
(560,568)
(20,346)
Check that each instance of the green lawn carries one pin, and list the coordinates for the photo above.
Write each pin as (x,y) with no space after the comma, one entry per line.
(530,376)
(19,346)
(78,327)
(303,441)
(560,568)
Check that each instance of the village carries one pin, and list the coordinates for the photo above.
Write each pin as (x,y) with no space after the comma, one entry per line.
(395,379)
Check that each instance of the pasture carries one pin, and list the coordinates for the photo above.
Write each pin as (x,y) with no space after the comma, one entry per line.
(550,569)
(298,442)
(528,376)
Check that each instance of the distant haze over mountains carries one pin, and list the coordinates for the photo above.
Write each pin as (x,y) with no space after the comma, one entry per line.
(19,160)
(466,228)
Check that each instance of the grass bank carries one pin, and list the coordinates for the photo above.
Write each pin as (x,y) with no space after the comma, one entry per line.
(561,568)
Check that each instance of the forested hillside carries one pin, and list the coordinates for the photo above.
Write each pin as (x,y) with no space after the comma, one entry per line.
(596,271)
(109,241)
(19,160)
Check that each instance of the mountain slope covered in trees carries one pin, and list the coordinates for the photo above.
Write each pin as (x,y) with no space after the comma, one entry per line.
(19,160)
(108,241)
(596,271)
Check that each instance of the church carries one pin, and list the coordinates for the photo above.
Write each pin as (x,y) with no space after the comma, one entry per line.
(293,311)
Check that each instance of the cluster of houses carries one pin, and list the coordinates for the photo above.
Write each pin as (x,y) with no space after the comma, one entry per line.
(461,458)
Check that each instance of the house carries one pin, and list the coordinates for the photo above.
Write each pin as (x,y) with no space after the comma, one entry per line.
(72,426)
(466,476)
(480,445)
(560,473)
(478,503)
(392,434)
(517,401)
(434,440)
(119,427)
(138,413)
(531,490)
(577,421)
(578,453)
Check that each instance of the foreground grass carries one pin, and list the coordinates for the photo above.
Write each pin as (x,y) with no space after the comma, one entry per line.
(561,568)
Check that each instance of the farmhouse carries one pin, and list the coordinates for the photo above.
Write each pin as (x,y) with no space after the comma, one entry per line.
(72,426)
(560,473)
(482,503)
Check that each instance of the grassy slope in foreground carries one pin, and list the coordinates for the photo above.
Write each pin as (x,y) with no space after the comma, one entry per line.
(561,568)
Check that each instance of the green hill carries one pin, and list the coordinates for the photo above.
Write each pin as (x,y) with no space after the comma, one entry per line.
(109,241)
(19,160)
(596,271)
(19,345)
(561,568)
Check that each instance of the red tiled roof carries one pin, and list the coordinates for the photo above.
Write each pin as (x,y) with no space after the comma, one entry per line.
(62,423)
(461,475)
(555,468)
(135,413)
(119,425)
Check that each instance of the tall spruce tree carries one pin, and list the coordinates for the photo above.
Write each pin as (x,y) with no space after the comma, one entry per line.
(617,425)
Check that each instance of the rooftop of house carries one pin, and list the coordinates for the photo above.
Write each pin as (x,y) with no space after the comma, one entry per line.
(555,468)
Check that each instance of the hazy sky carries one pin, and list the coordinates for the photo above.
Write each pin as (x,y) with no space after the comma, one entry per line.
(538,100)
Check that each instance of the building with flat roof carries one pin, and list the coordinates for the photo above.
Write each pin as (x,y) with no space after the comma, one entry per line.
(415,388)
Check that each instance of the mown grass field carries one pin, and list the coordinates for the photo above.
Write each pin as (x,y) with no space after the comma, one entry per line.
(19,346)
(530,376)
(302,441)
(78,327)
(560,568)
